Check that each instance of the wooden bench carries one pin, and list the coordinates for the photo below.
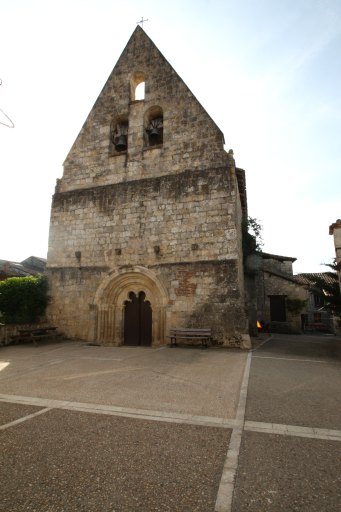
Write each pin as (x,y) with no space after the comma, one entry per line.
(35,334)
(203,335)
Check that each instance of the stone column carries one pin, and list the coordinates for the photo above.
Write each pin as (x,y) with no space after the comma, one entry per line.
(106,324)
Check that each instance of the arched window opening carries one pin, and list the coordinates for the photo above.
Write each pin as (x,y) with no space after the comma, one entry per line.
(137,86)
(154,126)
(155,131)
(139,91)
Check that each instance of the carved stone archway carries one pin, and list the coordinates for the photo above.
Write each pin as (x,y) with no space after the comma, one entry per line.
(110,299)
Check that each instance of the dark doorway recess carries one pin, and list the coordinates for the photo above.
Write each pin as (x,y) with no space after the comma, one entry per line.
(277,308)
(137,320)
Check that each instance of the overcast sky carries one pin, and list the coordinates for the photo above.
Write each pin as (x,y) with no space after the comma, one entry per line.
(267,71)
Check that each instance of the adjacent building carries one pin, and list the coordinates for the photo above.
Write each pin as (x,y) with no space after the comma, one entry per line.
(335,230)
(283,302)
(31,266)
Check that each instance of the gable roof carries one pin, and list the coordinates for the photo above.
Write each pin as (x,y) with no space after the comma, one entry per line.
(139,55)
(311,278)
(141,39)
(28,267)
(268,256)
(286,277)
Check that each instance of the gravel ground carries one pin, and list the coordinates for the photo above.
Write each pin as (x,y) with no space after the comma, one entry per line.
(287,386)
(314,346)
(11,412)
(70,461)
(287,474)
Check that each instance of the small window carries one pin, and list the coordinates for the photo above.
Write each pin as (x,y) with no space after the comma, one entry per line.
(137,86)
(139,91)
(318,300)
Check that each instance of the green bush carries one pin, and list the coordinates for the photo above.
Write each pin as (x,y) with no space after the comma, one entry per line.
(23,299)
(295,305)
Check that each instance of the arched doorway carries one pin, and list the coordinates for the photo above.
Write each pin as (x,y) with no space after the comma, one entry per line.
(114,295)
(137,320)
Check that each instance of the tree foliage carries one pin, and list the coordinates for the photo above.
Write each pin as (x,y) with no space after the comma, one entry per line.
(252,236)
(333,265)
(23,299)
(329,291)
(295,305)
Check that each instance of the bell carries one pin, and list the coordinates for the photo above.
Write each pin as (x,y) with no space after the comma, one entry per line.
(121,144)
(154,136)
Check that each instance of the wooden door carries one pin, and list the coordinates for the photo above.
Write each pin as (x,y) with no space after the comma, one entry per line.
(137,320)
(277,308)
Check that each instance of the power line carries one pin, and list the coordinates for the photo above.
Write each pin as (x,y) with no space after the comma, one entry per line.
(11,125)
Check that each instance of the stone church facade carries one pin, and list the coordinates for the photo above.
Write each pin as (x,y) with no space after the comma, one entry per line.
(145,230)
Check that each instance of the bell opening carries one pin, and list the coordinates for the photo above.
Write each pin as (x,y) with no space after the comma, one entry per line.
(154,136)
(121,144)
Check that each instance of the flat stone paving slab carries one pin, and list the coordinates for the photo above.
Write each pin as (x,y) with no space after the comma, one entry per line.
(287,474)
(185,381)
(71,461)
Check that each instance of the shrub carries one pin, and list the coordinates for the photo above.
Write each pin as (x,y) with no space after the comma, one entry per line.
(23,299)
(295,305)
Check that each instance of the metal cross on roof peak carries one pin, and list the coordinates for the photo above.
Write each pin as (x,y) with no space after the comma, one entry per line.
(141,21)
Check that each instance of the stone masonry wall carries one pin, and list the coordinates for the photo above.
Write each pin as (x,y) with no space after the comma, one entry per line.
(191,140)
(72,293)
(275,285)
(202,294)
(157,223)
(188,217)
(207,294)
(265,276)
(173,208)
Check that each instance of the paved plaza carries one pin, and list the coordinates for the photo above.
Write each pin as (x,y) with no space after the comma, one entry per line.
(89,428)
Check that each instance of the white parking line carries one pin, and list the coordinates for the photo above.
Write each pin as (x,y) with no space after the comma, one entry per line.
(293,430)
(112,410)
(226,486)
(291,359)
(24,418)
